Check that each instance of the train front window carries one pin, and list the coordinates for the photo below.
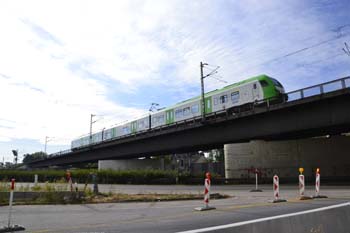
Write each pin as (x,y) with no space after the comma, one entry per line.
(264,83)
(278,84)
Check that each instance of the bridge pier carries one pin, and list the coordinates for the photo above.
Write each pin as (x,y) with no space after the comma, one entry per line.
(132,164)
(331,155)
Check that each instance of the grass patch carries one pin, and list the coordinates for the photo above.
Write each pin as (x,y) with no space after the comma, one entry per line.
(121,197)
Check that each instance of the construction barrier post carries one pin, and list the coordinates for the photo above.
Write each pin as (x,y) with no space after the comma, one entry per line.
(301,185)
(302,195)
(9,227)
(276,190)
(36,179)
(95,183)
(317,185)
(256,182)
(207,183)
(10,201)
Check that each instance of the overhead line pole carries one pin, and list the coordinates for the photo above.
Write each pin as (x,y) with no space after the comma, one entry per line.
(202,86)
(91,122)
(46,141)
(202,90)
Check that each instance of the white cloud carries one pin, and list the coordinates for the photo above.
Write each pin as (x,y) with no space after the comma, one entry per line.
(58,58)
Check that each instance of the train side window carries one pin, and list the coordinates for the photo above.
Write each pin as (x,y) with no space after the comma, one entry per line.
(126,130)
(178,113)
(141,124)
(155,120)
(264,83)
(223,99)
(195,108)
(235,97)
(161,119)
(186,111)
(216,100)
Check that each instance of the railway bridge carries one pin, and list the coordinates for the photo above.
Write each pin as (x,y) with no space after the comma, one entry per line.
(322,109)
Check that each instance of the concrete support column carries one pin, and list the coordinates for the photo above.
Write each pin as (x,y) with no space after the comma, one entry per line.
(285,157)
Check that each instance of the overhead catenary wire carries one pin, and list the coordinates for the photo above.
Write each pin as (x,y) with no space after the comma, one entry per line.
(346,49)
(213,71)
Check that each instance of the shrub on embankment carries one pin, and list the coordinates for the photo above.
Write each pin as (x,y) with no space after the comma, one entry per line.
(104,176)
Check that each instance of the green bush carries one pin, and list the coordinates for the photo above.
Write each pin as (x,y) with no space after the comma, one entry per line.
(104,176)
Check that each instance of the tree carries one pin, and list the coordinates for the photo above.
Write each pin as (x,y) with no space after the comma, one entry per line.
(28,158)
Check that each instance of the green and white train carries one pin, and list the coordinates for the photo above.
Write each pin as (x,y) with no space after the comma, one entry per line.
(255,89)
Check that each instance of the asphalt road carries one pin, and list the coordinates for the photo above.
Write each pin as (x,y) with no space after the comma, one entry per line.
(165,216)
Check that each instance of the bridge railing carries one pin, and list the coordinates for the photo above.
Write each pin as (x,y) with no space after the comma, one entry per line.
(319,89)
(63,152)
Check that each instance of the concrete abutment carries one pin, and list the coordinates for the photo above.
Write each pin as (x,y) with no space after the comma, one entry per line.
(331,155)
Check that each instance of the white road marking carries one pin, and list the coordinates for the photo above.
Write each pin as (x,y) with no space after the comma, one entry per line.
(265,219)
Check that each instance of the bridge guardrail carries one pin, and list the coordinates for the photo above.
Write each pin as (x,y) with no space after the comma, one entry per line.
(319,89)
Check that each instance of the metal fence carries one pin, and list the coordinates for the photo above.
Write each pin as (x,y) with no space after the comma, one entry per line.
(319,89)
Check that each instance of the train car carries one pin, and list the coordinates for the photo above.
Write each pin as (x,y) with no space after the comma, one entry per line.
(143,124)
(158,119)
(80,142)
(253,90)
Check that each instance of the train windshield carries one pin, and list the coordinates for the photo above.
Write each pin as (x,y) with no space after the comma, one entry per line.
(278,84)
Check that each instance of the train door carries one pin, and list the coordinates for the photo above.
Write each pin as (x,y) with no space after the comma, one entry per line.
(169,116)
(255,92)
(208,105)
(114,132)
(133,126)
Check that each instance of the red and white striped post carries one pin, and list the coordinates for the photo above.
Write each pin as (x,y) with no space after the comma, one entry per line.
(317,185)
(207,183)
(276,187)
(12,188)
(9,227)
(276,190)
(302,186)
(301,182)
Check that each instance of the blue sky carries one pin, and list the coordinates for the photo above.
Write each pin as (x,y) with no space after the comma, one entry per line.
(60,61)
